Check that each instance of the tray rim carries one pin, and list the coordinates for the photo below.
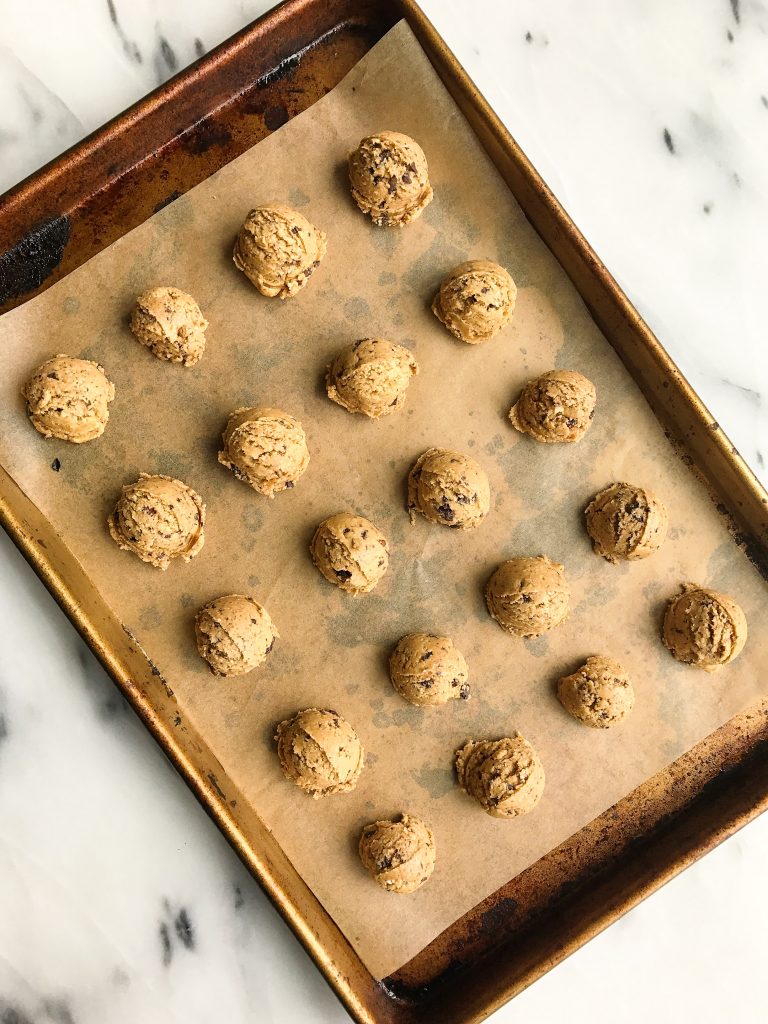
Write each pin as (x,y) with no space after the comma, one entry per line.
(357,1002)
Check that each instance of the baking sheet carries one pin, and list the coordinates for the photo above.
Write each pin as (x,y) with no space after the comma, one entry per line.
(333,648)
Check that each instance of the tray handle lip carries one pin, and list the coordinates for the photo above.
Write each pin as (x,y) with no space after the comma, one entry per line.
(153,102)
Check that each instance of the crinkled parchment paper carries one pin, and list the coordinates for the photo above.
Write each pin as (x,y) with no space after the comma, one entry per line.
(333,648)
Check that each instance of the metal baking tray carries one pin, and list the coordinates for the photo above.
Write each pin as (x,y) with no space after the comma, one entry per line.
(115,179)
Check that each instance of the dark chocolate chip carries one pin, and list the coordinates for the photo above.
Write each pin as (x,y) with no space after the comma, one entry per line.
(56,465)
(343,574)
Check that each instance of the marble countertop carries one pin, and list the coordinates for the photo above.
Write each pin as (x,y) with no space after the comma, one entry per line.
(119,900)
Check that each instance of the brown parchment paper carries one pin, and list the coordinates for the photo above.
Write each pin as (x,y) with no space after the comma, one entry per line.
(333,648)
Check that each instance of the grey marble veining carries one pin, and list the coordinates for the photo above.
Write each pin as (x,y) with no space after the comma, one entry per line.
(119,900)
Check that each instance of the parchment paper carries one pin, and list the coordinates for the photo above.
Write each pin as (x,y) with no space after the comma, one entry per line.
(334,648)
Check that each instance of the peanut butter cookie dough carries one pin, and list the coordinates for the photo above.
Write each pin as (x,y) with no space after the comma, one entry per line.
(158,519)
(449,488)
(626,523)
(389,178)
(599,693)
(704,628)
(505,776)
(399,855)
(169,323)
(557,406)
(371,377)
(320,752)
(350,552)
(234,634)
(476,300)
(428,670)
(528,596)
(68,399)
(278,250)
(265,448)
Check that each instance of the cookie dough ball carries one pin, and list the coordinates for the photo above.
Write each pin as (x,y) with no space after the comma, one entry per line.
(599,693)
(557,406)
(505,776)
(320,751)
(389,178)
(265,448)
(475,300)
(158,519)
(528,596)
(449,488)
(626,523)
(399,855)
(169,323)
(278,250)
(350,552)
(428,670)
(234,634)
(704,628)
(67,399)
(371,377)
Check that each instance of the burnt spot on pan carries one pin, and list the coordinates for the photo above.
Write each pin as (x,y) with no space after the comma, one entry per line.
(33,258)
(275,117)
(171,197)
(204,136)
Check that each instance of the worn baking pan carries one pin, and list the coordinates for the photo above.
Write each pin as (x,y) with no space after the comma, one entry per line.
(102,188)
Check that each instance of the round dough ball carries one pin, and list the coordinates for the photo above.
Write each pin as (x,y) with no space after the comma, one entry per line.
(234,634)
(528,596)
(557,406)
(428,670)
(320,751)
(505,776)
(389,178)
(399,855)
(371,377)
(158,519)
(350,552)
(476,300)
(599,693)
(265,448)
(704,628)
(67,398)
(626,523)
(169,323)
(278,249)
(449,488)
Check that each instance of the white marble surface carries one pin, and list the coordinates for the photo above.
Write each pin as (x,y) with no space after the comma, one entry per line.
(119,901)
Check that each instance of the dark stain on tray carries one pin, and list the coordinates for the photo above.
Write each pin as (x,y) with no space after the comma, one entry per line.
(204,136)
(275,117)
(29,262)
(171,197)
